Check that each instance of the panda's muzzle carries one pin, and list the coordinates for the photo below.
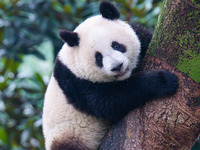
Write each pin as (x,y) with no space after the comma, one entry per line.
(121,74)
(117,68)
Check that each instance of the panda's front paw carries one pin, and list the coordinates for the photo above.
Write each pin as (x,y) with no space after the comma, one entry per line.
(169,82)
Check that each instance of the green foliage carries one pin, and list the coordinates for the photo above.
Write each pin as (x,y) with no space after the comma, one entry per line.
(3,135)
(144,12)
(28,31)
(20,107)
(196,145)
(26,24)
(190,66)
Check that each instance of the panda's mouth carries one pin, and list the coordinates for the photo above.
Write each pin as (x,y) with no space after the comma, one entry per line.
(121,74)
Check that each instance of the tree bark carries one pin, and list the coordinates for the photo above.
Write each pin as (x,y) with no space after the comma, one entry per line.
(172,122)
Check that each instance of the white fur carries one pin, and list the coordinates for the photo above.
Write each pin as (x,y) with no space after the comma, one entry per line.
(60,119)
(113,59)
(97,34)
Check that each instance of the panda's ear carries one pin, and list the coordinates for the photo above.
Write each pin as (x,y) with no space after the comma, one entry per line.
(109,11)
(71,38)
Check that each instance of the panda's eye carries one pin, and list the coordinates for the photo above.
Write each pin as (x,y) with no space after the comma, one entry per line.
(116,46)
(99,59)
(119,47)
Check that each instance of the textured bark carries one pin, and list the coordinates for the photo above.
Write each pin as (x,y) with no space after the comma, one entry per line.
(172,122)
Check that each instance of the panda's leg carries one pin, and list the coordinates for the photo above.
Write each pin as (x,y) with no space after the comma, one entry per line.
(62,139)
(58,120)
(65,127)
(76,136)
(68,144)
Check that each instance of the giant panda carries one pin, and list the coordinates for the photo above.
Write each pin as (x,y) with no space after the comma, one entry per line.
(96,82)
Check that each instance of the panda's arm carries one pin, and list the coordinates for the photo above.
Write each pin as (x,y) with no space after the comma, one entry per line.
(114,102)
(152,85)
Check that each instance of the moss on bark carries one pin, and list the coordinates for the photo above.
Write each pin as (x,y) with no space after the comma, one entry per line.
(177,36)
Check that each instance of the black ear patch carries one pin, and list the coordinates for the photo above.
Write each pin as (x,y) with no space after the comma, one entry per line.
(71,38)
(109,11)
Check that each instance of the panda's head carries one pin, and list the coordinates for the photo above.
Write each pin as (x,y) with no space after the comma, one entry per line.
(101,49)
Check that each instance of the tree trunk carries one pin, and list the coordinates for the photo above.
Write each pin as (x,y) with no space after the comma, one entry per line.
(173,122)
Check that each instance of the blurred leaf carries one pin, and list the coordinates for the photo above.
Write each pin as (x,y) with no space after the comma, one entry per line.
(139,13)
(31,90)
(24,137)
(57,6)
(39,78)
(196,146)
(67,8)
(3,85)
(3,135)
(38,54)
(1,34)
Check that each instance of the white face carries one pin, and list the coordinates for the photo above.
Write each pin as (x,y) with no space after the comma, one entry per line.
(108,50)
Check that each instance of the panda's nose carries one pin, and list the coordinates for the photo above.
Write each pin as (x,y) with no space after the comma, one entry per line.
(117,68)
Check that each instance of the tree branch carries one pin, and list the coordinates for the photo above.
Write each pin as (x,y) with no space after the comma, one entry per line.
(172,122)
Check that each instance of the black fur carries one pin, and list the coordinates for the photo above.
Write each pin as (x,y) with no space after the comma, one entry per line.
(144,36)
(71,38)
(68,144)
(109,11)
(99,59)
(119,47)
(112,101)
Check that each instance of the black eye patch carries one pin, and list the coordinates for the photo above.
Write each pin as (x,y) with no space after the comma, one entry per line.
(118,47)
(99,59)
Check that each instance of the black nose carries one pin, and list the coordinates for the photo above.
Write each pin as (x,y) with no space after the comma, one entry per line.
(117,68)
